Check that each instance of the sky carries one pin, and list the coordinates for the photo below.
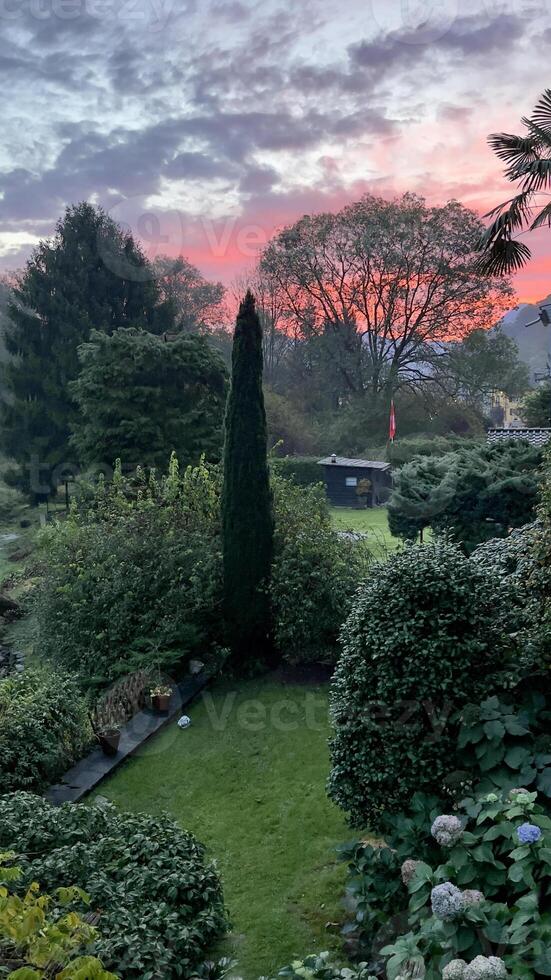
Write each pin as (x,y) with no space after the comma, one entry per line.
(205,125)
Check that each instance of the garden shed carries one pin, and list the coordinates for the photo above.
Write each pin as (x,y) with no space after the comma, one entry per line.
(356,482)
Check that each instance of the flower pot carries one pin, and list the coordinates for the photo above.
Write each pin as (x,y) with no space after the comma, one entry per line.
(160,703)
(109,741)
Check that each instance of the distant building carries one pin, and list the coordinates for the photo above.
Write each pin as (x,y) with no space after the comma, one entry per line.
(504,411)
(345,479)
(536,437)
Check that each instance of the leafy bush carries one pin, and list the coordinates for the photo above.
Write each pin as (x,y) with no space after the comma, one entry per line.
(474,493)
(43,728)
(375,900)
(37,930)
(319,966)
(503,745)
(304,471)
(429,632)
(133,577)
(314,576)
(161,903)
(483,912)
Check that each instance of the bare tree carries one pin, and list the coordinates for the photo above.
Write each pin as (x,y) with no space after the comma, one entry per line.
(277,337)
(390,282)
(197,303)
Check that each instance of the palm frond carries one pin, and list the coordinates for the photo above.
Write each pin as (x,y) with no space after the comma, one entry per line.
(536,176)
(540,136)
(505,255)
(543,218)
(511,215)
(542,112)
(516,151)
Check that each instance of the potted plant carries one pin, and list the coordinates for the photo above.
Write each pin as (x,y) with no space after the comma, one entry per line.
(160,698)
(108,735)
(109,740)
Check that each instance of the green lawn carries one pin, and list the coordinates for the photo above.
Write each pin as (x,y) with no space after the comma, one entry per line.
(252,788)
(372,520)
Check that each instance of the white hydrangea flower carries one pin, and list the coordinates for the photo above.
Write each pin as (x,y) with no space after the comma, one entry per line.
(455,970)
(486,968)
(471,896)
(447,902)
(447,830)
(407,870)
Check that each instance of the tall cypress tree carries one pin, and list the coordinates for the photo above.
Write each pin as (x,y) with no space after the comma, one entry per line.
(247,508)
(91,274)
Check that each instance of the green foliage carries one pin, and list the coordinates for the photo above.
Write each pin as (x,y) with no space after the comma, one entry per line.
(474,493)
(247,508)
(536,408)
(91,275)
(142,397)
(486,361)
(502,907)
(403,450)
(429,633)
(320,966)
(290,429)
(132,578)
(36,932)
(314,576)
(161,903)
(503,745)
(304,471)
(43,728)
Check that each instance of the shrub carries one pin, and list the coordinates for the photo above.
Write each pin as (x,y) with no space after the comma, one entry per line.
(429,633)
(304,471)
(37,930)
(161,903)
(320,966)
(133,577)
(503,745)
(483,912)
(314,576)
(474,493)
(43,728)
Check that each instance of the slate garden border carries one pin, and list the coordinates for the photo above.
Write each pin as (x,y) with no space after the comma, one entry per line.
(83,777)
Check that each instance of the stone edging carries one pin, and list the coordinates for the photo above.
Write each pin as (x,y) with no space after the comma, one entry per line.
(83,777)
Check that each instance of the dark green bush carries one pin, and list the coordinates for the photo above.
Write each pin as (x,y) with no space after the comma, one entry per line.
(429,633)
(133,578)
(314,576)
(161,903)
(304,471)
(43,728)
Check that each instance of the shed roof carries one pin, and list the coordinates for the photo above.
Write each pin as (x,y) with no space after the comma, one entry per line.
(359,464)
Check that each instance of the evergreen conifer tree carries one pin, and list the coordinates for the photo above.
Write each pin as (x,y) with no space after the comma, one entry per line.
(91,275)
(247,507)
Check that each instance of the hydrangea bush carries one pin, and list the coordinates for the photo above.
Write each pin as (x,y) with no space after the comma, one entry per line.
(484,912)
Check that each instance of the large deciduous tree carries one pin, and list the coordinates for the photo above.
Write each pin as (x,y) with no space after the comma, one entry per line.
(90,275)
(141,398)
(385,285)
(197,304)
(247,508)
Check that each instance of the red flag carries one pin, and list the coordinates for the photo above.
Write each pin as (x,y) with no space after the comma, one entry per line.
(392,423)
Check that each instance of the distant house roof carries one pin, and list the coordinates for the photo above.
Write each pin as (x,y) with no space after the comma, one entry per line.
(358,464)
(536,437)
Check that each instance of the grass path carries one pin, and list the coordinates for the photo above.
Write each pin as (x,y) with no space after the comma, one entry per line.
(248,778)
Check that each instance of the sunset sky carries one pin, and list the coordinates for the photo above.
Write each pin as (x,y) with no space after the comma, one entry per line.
(205,125)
